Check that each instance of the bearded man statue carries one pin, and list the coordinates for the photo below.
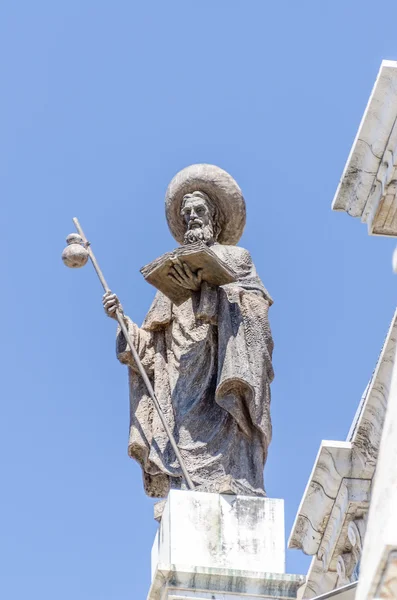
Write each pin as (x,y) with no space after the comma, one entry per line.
(209,359)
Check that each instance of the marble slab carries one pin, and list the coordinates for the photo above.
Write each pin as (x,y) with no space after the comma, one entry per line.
(216,545)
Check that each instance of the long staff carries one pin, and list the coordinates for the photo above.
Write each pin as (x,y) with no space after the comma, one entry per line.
(77,257)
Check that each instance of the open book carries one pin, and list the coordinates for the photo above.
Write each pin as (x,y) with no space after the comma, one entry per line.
(196,256)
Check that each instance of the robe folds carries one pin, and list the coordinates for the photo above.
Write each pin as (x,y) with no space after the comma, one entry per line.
(210,363)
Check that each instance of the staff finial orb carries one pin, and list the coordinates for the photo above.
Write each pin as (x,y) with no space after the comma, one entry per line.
(75,254)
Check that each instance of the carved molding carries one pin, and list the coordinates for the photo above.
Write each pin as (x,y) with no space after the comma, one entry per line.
(332,464)
(330,496)
(380,211)
(355,459)
(344,568)
(387,587)
(367,187)
(331,519)
(352,503)
(367,429)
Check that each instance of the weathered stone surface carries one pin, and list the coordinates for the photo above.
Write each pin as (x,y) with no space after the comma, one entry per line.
(209,359)
(335,495)
(378,573)
(332,517)
(368,188)
(211,543)
(180,583)
(216,530)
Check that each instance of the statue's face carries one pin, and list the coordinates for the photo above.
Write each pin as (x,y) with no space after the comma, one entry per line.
(197,214)
(195,211)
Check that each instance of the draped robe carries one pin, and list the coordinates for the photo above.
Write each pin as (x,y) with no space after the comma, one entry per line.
(210,363)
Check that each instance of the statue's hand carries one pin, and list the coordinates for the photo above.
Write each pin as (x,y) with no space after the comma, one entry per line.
(184,276)
(111,304)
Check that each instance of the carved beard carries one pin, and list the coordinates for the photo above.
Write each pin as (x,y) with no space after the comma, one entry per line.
(205,234)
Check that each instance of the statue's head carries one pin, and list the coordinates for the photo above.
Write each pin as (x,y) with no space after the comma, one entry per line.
(201,218)
(203,202)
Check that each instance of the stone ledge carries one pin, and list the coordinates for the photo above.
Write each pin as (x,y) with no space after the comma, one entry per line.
(174,581)
(331,519)
(367,188)
(348,461)
(333,463)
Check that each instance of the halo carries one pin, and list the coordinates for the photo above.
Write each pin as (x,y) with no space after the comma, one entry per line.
(223,191)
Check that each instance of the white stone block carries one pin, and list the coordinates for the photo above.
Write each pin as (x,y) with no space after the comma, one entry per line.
(222,531)
(219,546)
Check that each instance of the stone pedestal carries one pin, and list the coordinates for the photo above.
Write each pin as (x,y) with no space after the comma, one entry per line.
(220,547)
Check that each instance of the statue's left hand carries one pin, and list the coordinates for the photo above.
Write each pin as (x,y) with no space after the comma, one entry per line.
(184,276)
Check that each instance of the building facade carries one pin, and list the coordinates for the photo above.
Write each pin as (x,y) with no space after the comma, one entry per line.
(347,519)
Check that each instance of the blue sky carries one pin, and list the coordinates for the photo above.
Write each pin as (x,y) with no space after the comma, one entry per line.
(101,104)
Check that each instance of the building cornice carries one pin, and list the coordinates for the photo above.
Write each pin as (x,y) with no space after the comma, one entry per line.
(368,186)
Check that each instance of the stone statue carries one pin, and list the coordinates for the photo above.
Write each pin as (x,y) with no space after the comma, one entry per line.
(209,359)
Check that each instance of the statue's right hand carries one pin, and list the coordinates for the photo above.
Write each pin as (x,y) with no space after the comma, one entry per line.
(111,304)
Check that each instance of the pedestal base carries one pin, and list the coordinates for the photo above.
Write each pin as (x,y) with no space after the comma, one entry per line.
(220,547)
(221,584)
